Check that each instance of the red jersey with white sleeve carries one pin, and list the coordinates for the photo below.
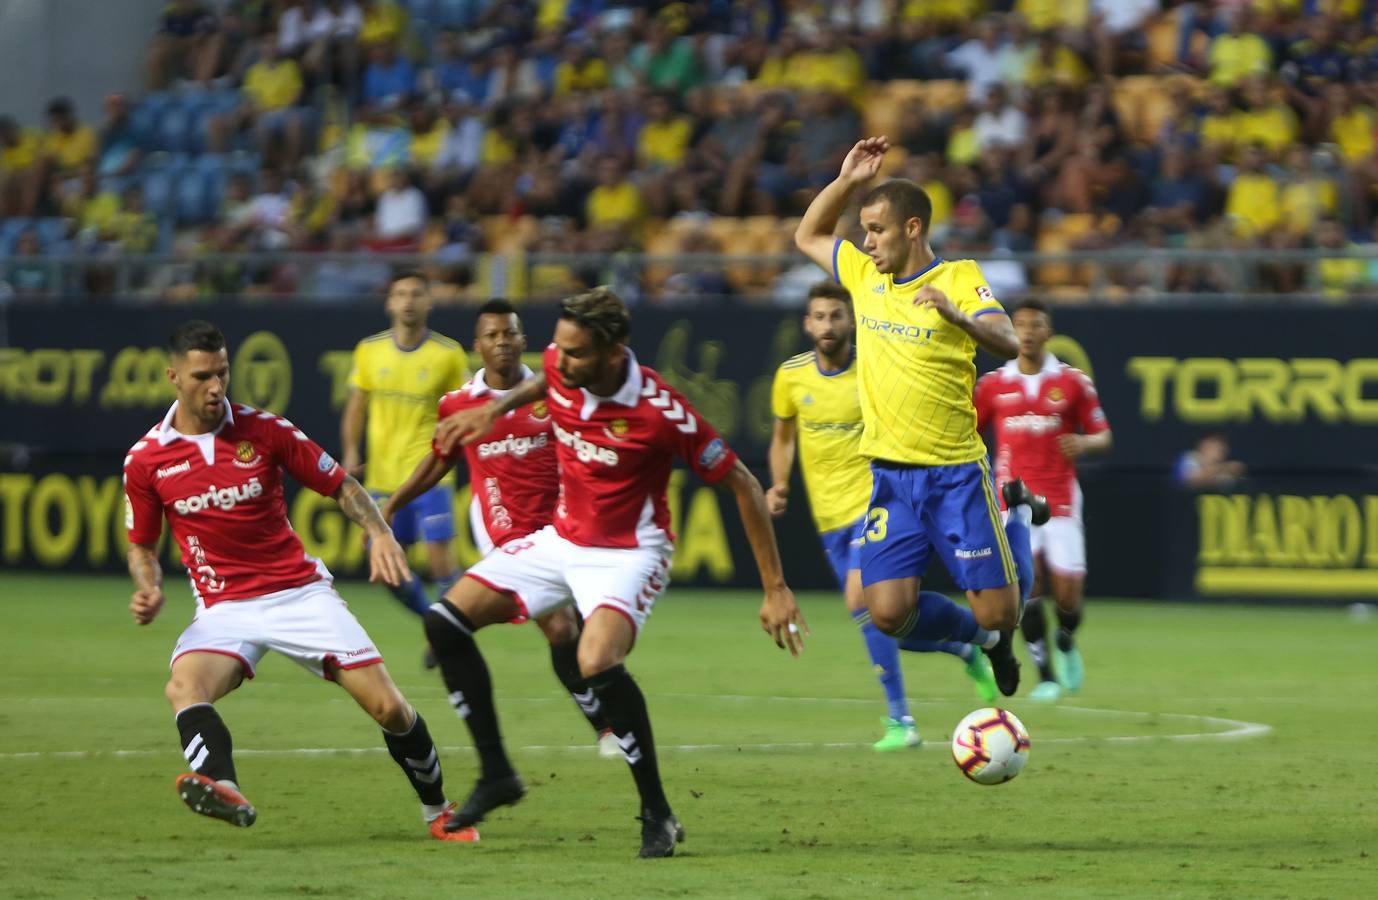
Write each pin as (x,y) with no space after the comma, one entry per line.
(513,473)
(1028,413)
(616,453)
(222,495)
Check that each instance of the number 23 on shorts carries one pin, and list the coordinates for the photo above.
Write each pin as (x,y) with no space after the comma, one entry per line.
(876,521)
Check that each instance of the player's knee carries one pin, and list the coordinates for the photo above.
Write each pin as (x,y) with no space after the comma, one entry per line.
(1004,617)
(559,627)
(593,660)
(888,619)
(182,692)
(446,627)
(390,710)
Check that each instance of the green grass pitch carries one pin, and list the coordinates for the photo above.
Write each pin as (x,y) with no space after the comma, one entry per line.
(1215,752)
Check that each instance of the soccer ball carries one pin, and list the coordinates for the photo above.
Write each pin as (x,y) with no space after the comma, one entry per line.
(990,746)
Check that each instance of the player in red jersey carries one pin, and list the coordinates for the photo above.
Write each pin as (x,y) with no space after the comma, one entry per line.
(514,481)
(1045,415)
(618,428)
(214,469)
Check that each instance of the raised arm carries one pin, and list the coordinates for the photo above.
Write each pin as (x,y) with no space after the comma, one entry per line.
(352,431)
(781,456)
(814,236)
(147,574)
(468,425)
(386,560)
(780,615)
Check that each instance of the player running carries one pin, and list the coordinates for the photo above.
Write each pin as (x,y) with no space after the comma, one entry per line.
(921,319)
(514,481)
(1045,414)
(398,377)
(817,408)
(215,471)
(618,428)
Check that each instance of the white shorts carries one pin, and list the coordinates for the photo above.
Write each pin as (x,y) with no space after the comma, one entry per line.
(543,572)
(1062,544)
(309,625)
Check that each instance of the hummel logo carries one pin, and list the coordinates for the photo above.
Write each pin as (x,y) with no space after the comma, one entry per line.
(630,751)
(562,400)
(460,704)
(671,409)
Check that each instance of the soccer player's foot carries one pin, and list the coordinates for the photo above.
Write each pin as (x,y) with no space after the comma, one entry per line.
(608,748)
(900,734)
(488,795)
(1016,492)
(1003,664)
(1069,668)
(1046,692)
(979,671)
(219,801)
(659,834)
(437,829)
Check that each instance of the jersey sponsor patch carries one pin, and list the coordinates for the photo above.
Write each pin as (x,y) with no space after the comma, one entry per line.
(325,462)
(713,453)
(984,293)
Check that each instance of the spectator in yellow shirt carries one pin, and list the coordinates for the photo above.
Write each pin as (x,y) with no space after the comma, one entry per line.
(1056,64)
(1263,121)
(69,145)
(1306,195)
(616,203)
(1218,126)
(1238,53)
(19,151)
(272,88)
(1339,276)
(384,23)
(1351,124)
(579,70)
(1252,203)
(1045,15)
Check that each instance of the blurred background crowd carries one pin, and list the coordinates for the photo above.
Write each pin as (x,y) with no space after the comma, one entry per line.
(574,136)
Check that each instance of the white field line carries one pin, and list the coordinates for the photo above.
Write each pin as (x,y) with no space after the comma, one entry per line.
(1233,729)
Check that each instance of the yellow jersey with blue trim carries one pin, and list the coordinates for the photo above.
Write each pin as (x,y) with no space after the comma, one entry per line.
(826,409)
(404,386)
(916,370)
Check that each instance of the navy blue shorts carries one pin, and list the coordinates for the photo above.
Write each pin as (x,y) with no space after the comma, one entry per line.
(429,518)
(951,510)
(843,547)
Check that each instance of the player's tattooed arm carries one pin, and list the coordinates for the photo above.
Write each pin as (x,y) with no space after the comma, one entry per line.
(780,615)
(147,574)
(993,332)
(468,425)
(387,561)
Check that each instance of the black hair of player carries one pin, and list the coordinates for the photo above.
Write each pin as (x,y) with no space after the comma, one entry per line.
(602,312)
(404,274)
(907,201)
(828,290)
(1034,304)
(196,334)
(498,306)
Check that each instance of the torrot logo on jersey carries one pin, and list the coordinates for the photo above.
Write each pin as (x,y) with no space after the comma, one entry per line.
(220,498)
(902,330)
(585,450)
(512,445)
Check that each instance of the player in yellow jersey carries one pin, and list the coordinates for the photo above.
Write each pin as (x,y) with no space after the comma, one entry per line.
(920,321)
(817,410)
(398,378)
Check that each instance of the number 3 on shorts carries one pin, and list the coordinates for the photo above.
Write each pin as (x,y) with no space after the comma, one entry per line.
(875,524)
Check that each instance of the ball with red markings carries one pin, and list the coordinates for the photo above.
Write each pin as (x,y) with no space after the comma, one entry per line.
(990,746)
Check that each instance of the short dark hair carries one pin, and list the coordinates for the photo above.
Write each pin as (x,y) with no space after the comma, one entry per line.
(404,274)
(906,199)
(197,334)
(1034,304)
(602,312)
(828,290)
(498,306)
(61,106)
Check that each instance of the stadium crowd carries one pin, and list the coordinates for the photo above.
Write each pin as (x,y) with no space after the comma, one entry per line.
(459,129)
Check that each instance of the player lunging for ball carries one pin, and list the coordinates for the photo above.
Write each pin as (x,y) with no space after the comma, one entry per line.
(1046,415)
(818,411)
(920,321)
(619,428)
(515,481)
(214,469)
